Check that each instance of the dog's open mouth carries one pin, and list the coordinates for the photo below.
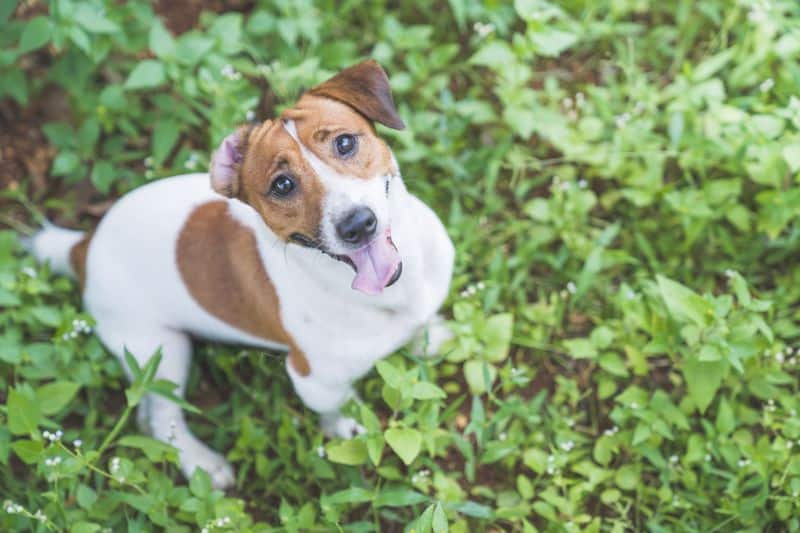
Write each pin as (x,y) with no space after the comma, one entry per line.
(377,265)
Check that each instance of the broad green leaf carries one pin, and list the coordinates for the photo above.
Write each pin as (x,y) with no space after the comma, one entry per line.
(155,450)
(93,21)
(351,495)
(726,420)
(23,413)
(480,375)
(29,451)
(398,497)
(347,452)
(55,396)
(161,41)
(423,390)
(165,135)
(149,73)
(406,442)
(683,303)
(36,34)
(497,336)
(791,154)
(703,379)
(390,374)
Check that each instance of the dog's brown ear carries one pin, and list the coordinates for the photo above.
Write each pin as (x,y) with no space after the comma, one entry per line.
(365,88)
(226,161)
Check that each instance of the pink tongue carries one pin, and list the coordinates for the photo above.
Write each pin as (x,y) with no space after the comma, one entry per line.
(375,265)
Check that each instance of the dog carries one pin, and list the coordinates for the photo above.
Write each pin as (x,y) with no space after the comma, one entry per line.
(302,238)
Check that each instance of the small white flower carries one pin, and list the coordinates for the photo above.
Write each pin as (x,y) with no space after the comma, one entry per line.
(634,405)
(77,443)
(779,357)
(572,288)
(551,458)
(483,29)
(639,108)
(220,522)
(789,444)
(567,102)
(565,186)
(228,71)
(40,516)
(481,286)
(502,436)
(729,273)
(204,530)
(766,85)
(148,162)
(583,184)
(743,462)
(29,271)
(673,459)
(708,457)
(568,445)
(622,120)
(250,115)
(321,451)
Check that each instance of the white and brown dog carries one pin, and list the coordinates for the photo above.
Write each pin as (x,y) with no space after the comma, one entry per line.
(302,238)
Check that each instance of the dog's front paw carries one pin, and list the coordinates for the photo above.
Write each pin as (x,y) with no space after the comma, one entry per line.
(198,455)
(337,425)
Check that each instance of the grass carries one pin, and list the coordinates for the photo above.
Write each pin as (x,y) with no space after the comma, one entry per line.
(620,179)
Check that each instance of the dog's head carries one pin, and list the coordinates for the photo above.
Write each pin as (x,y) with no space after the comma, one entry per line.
(320,176)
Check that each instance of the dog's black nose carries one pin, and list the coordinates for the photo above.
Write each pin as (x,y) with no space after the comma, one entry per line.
(358,226)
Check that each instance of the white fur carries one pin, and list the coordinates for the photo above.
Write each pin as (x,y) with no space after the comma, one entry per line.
(52,244)
(135,293)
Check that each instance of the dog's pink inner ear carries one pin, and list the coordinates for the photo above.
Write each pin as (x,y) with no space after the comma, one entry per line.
(225,165)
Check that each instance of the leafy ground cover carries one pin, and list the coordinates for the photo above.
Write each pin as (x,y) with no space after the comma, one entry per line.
(620,178)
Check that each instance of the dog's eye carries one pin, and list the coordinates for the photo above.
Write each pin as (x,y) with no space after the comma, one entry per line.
(282,186)
(345,144)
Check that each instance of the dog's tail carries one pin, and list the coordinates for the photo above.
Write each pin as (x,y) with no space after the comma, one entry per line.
(63,248)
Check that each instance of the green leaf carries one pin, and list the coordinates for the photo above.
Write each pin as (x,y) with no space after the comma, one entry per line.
(627,477)
(84,527)
(423,390)
(93,21)
(406,442)
(85,496)
(726,421)
(347,452)
(581,348)
(155,450)
(55,396)
(439,524)
(161,41)
(23,413)
(791,154)
(398,497)
(149,73)
(29,451)
(200,483)
(65,162)
(703,379)
(351,495)
(497,336)
(36,34)
(683,303)
(480,376)
(390,374)
(103,176)
(165,135)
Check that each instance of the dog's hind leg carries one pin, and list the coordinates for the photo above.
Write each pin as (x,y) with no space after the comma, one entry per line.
(157,415)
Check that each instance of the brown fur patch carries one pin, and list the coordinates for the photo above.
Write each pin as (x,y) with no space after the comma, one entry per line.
(320,120)
(77,258)
(271,151)
(220,264)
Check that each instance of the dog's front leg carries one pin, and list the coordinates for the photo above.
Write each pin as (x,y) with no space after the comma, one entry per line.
(326,397)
